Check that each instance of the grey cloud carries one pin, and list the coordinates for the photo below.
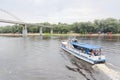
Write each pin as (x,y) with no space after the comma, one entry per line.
(62,10)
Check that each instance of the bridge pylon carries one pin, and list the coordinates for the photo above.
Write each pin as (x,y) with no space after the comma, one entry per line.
(24,31)
(51,31)
(40,31)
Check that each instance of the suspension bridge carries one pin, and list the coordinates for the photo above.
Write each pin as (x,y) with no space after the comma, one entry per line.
(24,24)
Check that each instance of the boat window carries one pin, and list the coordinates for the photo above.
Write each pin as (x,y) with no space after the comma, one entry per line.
(76,47)
(74,40)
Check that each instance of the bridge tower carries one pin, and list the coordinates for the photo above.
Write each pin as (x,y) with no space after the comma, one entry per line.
(40,31)
(51,31)
(24,30)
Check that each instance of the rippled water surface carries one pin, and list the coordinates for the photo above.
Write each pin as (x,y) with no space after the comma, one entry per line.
(41,58)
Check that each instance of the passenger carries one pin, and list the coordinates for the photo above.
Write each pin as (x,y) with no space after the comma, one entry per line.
(92,52)
(82,49)
(95,52)
(99,52)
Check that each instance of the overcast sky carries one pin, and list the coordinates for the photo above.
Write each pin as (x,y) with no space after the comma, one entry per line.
(66,11)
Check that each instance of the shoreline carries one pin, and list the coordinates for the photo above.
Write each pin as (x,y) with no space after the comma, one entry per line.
(38,34)
(48,34)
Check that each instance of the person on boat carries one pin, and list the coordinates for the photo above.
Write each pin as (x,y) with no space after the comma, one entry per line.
(96,52)
(92,52)
(82,50)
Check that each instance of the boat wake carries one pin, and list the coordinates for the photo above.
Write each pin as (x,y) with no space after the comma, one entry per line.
(103,71)
(109,72)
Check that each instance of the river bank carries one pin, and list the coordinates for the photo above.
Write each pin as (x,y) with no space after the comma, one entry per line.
(48,34)
(37,34)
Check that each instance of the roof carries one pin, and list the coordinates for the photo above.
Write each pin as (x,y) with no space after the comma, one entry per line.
(84,45)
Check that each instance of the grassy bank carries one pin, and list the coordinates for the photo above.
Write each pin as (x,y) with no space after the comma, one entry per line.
(48,34)
(37,34)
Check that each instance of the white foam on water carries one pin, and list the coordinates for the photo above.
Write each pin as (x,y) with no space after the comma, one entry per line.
(117,67)
(112,74)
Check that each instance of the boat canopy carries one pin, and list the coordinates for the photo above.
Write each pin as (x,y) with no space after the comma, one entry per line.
(84,45)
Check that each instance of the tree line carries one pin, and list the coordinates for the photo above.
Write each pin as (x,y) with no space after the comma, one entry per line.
(102,26)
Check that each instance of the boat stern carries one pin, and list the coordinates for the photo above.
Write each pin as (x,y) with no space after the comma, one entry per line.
(99,59)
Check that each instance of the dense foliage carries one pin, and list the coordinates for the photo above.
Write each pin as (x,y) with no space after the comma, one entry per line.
(104,26)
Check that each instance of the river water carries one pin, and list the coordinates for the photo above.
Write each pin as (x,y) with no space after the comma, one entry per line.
(41,58)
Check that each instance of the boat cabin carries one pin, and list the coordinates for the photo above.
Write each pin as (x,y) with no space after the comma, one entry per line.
(86,48)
